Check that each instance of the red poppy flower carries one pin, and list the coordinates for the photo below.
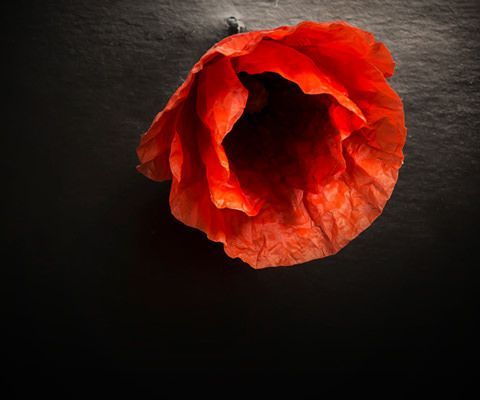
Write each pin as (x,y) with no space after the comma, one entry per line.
(282,144)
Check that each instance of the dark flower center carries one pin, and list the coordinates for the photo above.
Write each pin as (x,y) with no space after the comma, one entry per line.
(274,145)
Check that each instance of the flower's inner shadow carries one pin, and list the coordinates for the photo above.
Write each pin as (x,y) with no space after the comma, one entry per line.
(279,139)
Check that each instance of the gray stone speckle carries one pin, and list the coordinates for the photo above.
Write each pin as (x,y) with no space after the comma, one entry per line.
(235,25)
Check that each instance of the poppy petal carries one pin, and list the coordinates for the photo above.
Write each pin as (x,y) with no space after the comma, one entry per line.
(270,56)
(221,99)
(340,38)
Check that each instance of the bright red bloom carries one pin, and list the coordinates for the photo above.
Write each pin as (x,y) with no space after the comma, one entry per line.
(282,144)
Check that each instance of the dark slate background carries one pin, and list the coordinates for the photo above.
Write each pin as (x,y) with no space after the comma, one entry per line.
(102,278)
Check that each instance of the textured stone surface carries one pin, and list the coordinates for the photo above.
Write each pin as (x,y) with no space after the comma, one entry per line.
(106,278)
